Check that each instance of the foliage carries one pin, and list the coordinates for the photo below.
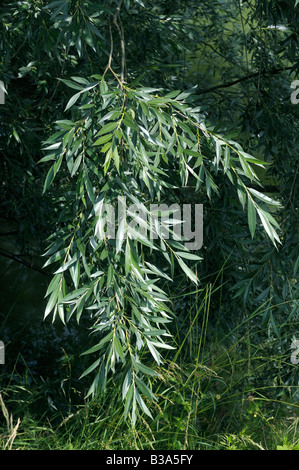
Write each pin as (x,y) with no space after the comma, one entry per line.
(149,143)
(207,403)
(112,96)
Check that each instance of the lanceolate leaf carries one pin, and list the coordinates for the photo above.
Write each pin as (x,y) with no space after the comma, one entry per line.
(100,345)
(267,225)
(187,271)
(251,216)
(72,101)
(264,198)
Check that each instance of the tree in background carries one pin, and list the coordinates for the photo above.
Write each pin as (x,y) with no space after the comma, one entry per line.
(112,92)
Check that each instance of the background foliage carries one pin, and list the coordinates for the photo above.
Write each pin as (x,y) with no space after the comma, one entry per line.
(168,102)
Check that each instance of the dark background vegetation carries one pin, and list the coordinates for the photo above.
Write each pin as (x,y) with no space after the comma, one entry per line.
(230,382)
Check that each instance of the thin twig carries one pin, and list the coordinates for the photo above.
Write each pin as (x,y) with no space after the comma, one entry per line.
(117,22)
(108,66)
(119,26)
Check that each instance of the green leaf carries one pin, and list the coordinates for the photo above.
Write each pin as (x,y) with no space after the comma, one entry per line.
(185,254)
(241,195)
(142,404)
(158,271)
(146,370)
(91,368)
(53,146)
(47,158)
(93,388)
(53,284)
(157,344)
(128,401)
(71,84)
(106,147)
(103,139)
(251,212)
(226,158)
(107,160)
(126,383)
(188,271)
(247,168)
(65,124)
(267,226)
(296,265)
(55,257)
(74,295)
(52,301)
(108,128)
(118,347)
(75,274)
(81,80)
(218,152)
(72,100)
(89,187)
(144,389)
(275,326)
(264,198)
(100,345)
(52,173)
(116,158)
(76,164)
(113,114)
(66,265)
(134,257)
(135,235)
(49,179)
(156,355)
(110,275)
(254,160)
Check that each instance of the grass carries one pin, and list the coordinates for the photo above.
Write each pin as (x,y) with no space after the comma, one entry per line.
(186,416)
(220,390)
